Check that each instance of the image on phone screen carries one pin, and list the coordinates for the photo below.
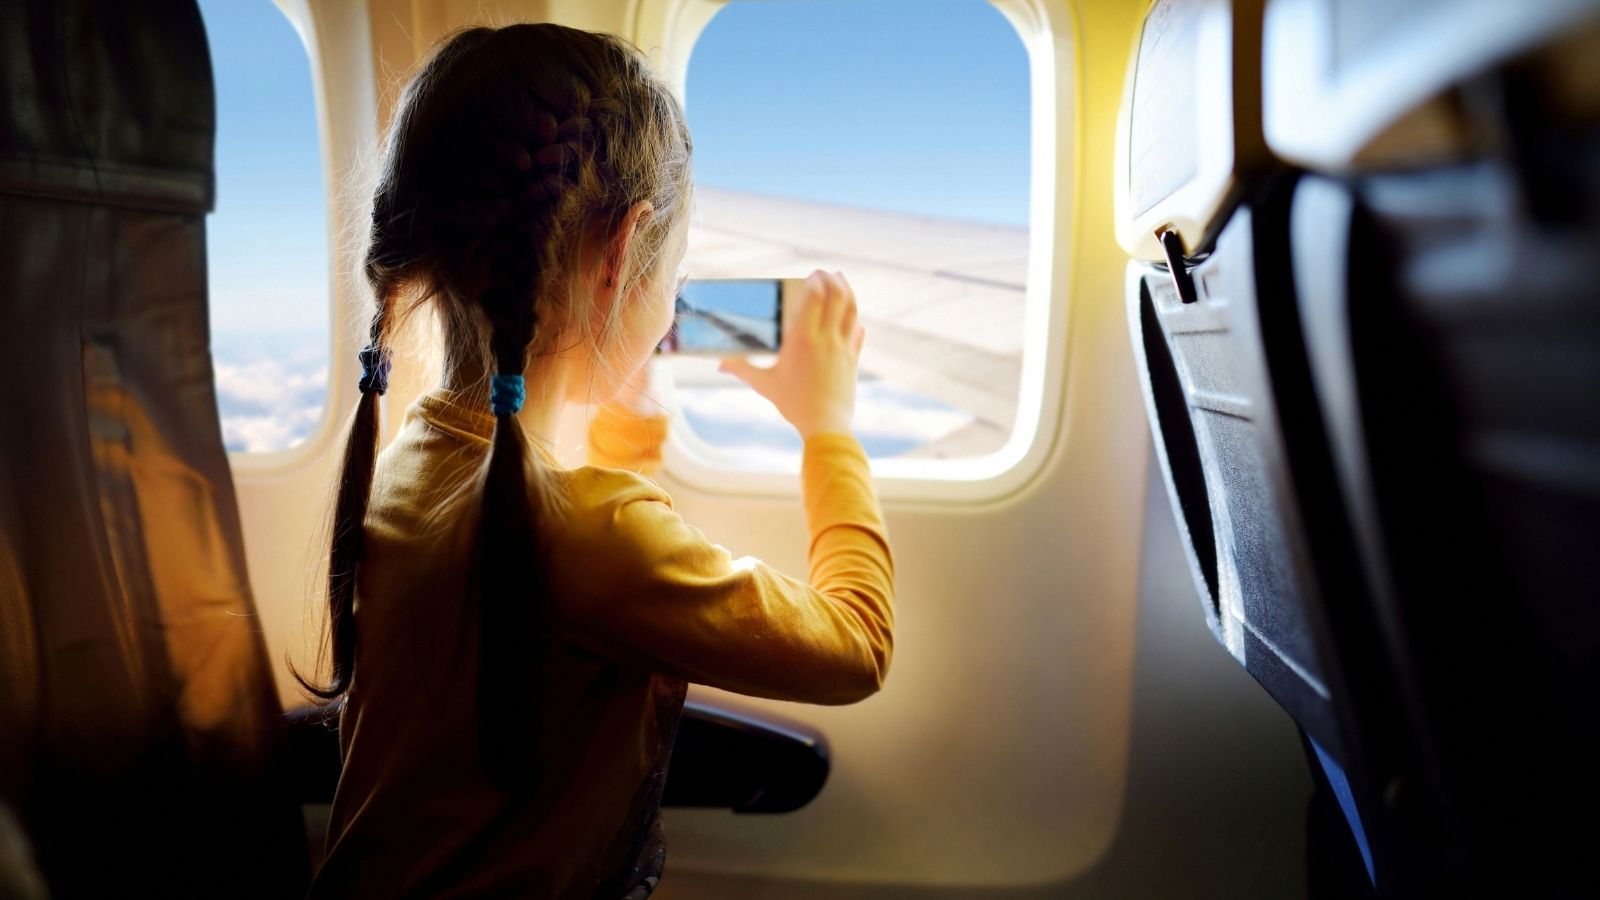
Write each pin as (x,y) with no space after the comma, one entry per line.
(731,316)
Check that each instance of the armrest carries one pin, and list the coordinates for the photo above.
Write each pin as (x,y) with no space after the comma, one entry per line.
(732,760)
(722,759)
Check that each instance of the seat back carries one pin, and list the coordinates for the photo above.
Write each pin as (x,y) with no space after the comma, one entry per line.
(137,711)
(1373,375)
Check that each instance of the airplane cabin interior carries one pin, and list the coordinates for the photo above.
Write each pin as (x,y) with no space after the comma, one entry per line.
(1240,462)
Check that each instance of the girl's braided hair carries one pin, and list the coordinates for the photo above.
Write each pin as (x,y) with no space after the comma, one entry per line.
(513,154)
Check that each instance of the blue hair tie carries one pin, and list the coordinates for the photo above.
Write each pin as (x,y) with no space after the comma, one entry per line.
(506,394)
(374,369)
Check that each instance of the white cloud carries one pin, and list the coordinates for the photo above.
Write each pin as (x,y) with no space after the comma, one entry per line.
(740,421)
(883,410)
(268,404)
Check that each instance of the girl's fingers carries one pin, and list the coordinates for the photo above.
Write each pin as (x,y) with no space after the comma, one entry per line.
(834,306)
(815,302)
(847,321)
(858,338)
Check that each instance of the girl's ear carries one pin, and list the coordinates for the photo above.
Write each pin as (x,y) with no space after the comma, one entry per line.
(620,244)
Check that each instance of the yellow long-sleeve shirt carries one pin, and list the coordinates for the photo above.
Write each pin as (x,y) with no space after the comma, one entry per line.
(642,602)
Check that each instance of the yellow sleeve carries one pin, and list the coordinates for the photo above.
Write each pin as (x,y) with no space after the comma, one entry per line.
(663,597)
(620,438)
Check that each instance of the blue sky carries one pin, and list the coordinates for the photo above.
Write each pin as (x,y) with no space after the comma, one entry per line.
(268,237)
(914,106)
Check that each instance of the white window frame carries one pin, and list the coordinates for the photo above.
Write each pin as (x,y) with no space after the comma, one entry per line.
(669,29)
(339,138)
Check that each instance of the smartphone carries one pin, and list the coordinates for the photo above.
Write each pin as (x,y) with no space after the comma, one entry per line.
(728,317)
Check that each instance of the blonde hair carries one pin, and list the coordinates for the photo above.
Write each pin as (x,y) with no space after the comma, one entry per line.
(514,155)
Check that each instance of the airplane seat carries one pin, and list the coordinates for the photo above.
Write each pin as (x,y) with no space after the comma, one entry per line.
(1453,323)
(1444,255)
(138,718)
(1372,368)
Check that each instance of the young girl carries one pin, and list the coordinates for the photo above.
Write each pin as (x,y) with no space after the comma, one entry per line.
(513,639)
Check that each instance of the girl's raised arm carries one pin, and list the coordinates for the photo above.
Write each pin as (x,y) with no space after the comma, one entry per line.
(651,590)
(657,592)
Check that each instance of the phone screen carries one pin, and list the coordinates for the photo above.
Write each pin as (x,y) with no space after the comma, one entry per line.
(733,316)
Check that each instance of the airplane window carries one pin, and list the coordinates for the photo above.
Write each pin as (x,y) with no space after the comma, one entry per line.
(266,240)
(888,140)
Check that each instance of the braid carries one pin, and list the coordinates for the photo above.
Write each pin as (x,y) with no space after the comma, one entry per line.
(538,166)
(511,219)
(355,490)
